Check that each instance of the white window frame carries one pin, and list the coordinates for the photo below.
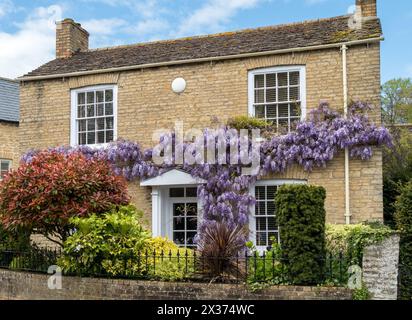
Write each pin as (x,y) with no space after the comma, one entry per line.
(252,217)
(251,86)
(73,113)
(9,163)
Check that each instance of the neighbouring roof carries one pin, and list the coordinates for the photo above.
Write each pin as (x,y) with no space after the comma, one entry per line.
(296,35)
(9,100)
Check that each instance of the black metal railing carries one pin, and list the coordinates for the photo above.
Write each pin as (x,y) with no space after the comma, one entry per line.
(186,265)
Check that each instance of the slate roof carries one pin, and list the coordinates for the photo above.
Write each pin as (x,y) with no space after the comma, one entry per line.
(296,35)
(9,100)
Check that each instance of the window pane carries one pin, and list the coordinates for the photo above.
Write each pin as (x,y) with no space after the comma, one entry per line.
(283,110)
(191,209)
(295,110)
(100,123)
(271,190)
(283,94)
(191,192)
(271,223)
(271,95)
(81,98)
(177,192)
(82,138)
(270,208)
(81,112)
(271,111)
(99,96)
(260,193)
(191,223)
(82,125)
(100,109)
(100,137)
(109,109)
(282,79)
(271,80)
(178,209)
(5,166)
(294,94)
(109,95)
(90,110)
(261,238)
(261,224)
(91,138)
(260,208)
(109,136)
(91,125)
(190,238)
(259,96)
(109,123)
(259,81)
(90,97)
(294,78)
(179,223)
(179,238)
(260,111)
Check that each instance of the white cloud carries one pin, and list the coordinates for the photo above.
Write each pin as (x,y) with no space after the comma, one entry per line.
(103,26)
(32,45)
(213,15)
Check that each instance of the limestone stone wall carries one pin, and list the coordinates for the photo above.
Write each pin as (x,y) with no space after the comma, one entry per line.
(218,90)
(380,269)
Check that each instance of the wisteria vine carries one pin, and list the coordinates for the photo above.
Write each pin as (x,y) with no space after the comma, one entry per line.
(225,195)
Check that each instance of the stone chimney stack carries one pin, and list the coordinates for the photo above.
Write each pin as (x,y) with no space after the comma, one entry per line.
(70,38)
(368,8)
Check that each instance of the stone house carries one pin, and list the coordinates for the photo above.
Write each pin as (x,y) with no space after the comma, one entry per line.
(9,124)
(92,97)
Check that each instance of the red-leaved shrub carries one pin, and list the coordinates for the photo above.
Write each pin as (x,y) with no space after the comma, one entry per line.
(43,194)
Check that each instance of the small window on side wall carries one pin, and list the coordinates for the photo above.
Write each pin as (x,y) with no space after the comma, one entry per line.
(5,167)
(278,95)
(94,115)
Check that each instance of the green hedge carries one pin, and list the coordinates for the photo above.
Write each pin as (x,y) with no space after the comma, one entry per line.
(301,218)
(403,218)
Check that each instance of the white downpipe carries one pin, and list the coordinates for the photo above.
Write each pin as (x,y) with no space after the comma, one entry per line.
(344,50)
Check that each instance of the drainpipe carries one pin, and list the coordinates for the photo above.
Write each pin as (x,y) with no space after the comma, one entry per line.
(344,49)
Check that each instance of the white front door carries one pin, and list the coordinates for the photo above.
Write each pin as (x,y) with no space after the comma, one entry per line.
(182,215)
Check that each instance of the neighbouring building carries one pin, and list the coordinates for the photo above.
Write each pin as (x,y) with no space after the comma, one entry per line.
(92,97)
(9,124)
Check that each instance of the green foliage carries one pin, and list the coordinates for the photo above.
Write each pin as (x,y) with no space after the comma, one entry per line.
(266,268)
(116,244)
(245,122)
(397,101)
(301,218)
(17,240)
(350,240)
(397,170)
(404,223)
(97,240)
(361,293)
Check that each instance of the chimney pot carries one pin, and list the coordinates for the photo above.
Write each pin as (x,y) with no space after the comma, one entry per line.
(70,38)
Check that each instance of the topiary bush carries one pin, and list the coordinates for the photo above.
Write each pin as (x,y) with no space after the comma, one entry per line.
(301,217)
(44,193)
(403,219)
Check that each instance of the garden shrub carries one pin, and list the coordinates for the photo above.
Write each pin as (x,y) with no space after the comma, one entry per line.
(301,218)
(403,218)
(246,122)
(116,244)
(350,240)
(44,193)
(267,267)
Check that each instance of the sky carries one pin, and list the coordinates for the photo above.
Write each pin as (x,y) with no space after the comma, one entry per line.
(27,27)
